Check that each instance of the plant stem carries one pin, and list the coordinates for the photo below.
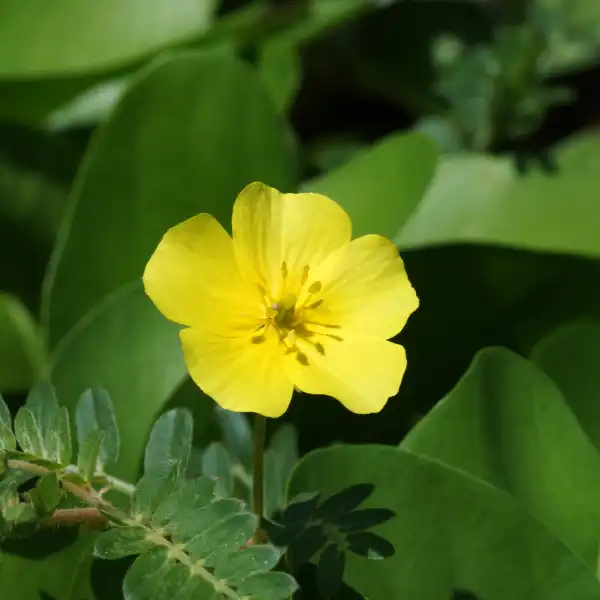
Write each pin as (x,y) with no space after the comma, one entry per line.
(259,435)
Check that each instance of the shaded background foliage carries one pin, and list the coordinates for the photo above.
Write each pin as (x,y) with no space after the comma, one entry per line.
(464,130)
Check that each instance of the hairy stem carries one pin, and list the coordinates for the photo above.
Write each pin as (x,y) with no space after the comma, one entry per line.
(258,483)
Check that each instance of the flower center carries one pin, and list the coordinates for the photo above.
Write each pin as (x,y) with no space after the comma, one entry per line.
(293,320)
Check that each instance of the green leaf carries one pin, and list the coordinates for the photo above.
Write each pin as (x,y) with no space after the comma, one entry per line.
(7,438)
(246,563)
(268,586)
(170,442)
(482,199)
(345,501)
(190,523)
(358,520)
(280,459)
(378,194)
(147,368)
(484,427)
(87,461)
(154,576)
(121,541)
(28,433)
(370,545)
(330,571)
(216,543)
(306,545)
(244,130)
(280,68)
(94,412)
(47,494)
(568,355)
(110,36)
(5,416)
(152,489)
(62,437)
(189,496)
(20,513)
(22,357)
(216,463)
(56,575)
(462,533)
(236,433)
(43,404)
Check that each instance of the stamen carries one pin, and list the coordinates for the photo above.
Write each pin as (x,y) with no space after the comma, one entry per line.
(258,339)
(304,275)
(334,337)
(284,269)
(315,305)
(320,348)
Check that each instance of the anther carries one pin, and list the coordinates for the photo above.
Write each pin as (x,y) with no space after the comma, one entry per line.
(320,348)
(302,358)
(284,269)
(315,287)
(258,339)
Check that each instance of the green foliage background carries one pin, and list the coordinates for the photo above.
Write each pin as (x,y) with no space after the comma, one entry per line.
(465,131)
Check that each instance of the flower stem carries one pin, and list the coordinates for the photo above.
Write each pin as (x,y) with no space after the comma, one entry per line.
(260,429)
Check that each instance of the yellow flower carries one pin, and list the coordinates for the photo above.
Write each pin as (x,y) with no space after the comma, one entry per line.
(290,301)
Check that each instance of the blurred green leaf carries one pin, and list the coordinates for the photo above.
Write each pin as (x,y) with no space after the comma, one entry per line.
(5,416)
(28,433)
(236,433)
(280,68)
(170,442)
(22,356)
(47,494)
(280,458)
(380,186)
(572,30)
(95,37)
(216,462)
(481,199)
(89,453)
(462,533)
(484,427)
(95,412)
(222,132)
(569,355)
(56,575)
(130,349)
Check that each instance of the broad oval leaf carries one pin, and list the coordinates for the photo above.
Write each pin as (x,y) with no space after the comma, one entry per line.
(460,532)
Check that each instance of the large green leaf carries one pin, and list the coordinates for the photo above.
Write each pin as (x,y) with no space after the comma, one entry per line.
(451,531)
(128,348)
(569,355)
(186,138)
(22,356)
(382,185)
(56,576)
(93,35)
(507,424)
(482,199)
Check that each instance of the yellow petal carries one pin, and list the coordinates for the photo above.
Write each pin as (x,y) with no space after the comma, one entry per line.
(239,375)
(276,236)
(366,288)
(193,278)
(362,373)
